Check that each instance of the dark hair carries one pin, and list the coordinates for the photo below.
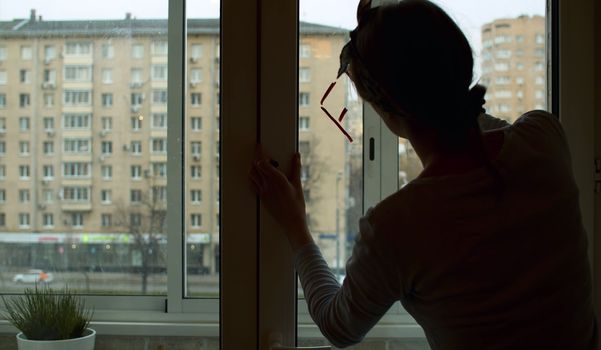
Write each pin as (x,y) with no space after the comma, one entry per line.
(422,63)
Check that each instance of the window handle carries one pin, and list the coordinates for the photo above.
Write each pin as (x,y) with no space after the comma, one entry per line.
(275,343)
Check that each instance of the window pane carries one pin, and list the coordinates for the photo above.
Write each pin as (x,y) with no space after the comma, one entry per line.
(202,157)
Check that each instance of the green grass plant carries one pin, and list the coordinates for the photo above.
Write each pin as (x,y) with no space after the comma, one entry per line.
(47,314)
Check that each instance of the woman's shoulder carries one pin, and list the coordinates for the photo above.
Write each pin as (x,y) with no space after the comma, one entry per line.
(539,121)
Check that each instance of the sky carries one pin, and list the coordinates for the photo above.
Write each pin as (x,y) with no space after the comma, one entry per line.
(470,14)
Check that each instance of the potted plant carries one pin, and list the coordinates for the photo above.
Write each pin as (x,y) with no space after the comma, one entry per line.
(50,320)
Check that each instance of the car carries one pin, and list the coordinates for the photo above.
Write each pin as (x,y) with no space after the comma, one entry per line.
(33,276)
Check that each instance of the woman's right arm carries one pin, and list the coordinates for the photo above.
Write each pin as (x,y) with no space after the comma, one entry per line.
(488,122)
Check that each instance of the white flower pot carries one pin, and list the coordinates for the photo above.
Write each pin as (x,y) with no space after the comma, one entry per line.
(86,342)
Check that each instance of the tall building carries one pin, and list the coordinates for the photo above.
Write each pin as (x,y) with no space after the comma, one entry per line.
(513,65)
(83,131)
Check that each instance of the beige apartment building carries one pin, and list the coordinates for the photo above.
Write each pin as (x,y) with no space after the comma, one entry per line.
(513,65)
(83,152)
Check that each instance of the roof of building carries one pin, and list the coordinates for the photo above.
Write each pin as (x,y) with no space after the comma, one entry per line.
(126,28)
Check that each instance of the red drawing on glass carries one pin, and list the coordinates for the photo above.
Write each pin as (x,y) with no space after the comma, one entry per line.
(342,114)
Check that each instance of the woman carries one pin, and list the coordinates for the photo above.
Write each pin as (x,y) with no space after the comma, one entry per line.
(486,248)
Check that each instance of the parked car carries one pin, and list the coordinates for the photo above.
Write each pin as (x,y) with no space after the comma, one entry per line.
(33,276)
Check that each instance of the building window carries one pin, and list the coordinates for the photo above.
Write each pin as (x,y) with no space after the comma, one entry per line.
(305,50)
(107,51)
(303,123)
(24,123)
(159,193)
(136,99)
(107,123)
(136,77)
(503,94)
(78,48)
(519,38)
(2,124)
(76,169)
(196,123)
(106,220)
(24,220)
(519,66)
(136,147)
(2,196)
(196,148)
(106,171)
(304,147)
(137,51)
(195,75)
(48,147)
(539,66)
(159,145)
(106,147)
(136,123)
(539,94)
(48,123)
(24,76)
(2,100)
(196,99)
(106,196)
(48,220)
(136,172)
(3,54)
(24,100)
(48,171)
(196,196)
(135,196)
(504,80)
(76,194)
(24,196)
(2,219)
(107,99)
(304,74)
(195,52)
(78,73)
(48,100)
(3,77)
(503,54)
(540,81)
(2,148)
(76,145)
(107,76)
(196,172)
(501,67)
(539,38)
(159,97)
(2,171)
(26,52)
(159,120)
(48,195)
(49,78)
(159,169)
(77,219)
(303,99)
(135,219)
(24,148)
(196,220)
(159,48)
(159,72)
(77,98)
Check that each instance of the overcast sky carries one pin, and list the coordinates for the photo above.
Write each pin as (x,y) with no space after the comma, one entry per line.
(470,14)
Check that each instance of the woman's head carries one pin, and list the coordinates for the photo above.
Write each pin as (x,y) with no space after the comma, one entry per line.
(411,60)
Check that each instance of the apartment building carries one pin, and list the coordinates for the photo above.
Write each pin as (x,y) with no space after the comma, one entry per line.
(83,140)
(513,65)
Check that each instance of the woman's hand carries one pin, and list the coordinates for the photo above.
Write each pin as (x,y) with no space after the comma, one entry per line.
(282,196)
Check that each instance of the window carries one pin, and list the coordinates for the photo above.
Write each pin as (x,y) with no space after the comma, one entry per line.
(48,171)
(136,123)
(77,219)
(2,196)
(78,48)
(159,193)
(24,172)
(519,38)
(503,80)
(76,145)
(159,97)
(2,171)
(539,38)
(159,72)
(107,76)
(135,196)
(501,67)
(2,124)
(24,76)
(3,54)
(503,54)
(135,219)
(24,123)
(136,76)
(76,169)
(539,52)
(24,220)
(48,123)
(303,99)
(195,52)
(305,50)
(196,196)
(196,75)
(303,123)
(48,147)
(196,99)
(76,121)
(501,39)
(106,147)
(136,147)
(196,148)
(24,100)
(48,100)
(196,220)
(24,196)
(540,94)
(304,74)
(196,123)
(539,66)
(195,172)
(2,148)
(136,172)
(48,195)
(159,145)
(106,196)
(76,194)
(26,52)
(137,51)
(107,51)
(78,73)
(48,220)
(77,97)
(2,219)
(24,148)
(159,120)
(2,100)
(540,81)
(159,169)
(106,220)
(159,48)
(107,123)
(503,94)
(137,99)
(107,100)
(106,171)
(3,77)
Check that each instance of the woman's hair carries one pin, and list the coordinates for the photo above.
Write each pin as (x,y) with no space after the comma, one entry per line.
(421,63)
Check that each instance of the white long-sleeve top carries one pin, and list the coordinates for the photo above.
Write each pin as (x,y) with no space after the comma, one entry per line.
(476,270)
